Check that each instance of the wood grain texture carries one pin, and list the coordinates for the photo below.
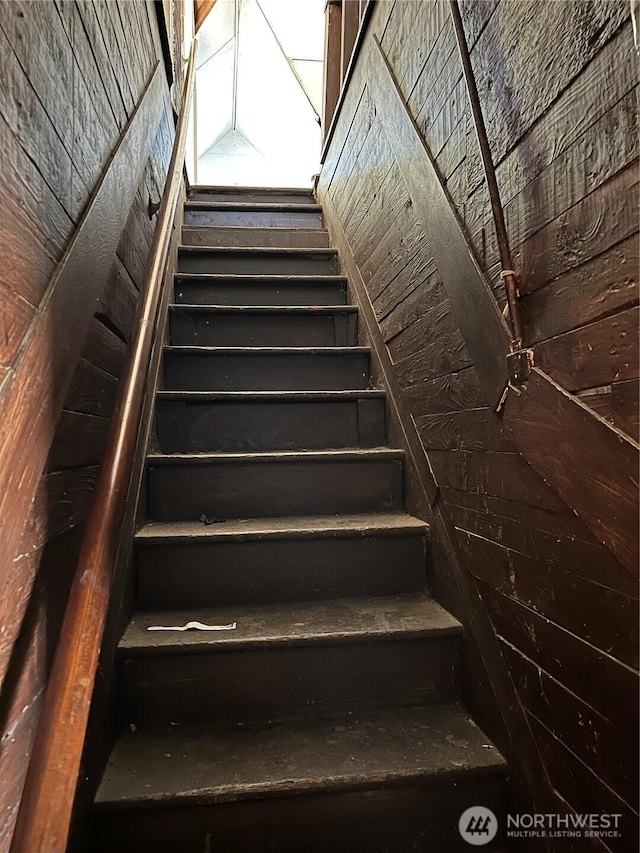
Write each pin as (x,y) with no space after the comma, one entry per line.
(606,494)
(33,425)
(592,612)
(495,704)
(599,353)
(482,325)
(567,168)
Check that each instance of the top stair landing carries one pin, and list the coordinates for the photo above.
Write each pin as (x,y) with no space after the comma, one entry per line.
(253,195)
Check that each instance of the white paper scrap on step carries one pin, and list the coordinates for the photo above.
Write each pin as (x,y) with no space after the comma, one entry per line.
(193,626)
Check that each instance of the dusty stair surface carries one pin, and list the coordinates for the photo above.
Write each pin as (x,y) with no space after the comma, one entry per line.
(328,718)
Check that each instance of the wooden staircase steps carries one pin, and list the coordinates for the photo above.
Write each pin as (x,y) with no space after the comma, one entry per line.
(323,712)
(253,195)
(252,290)
(307,238)
(268,560)
(264,326)
(246,260)
(201,421)
(250,214)
(377,781)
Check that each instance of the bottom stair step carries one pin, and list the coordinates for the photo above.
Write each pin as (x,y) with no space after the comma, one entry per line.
(379,782)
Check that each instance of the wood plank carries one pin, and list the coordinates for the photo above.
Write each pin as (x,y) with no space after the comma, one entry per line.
(598,679)
(562,523)
(407,297)
(80,441)
(515,39)
(603,747)
(49,167)
(554,537)
(592,612)
(409,39)
(597,354)
(92,391)
(35,229)
(436,325)
(584,791)
(24,665)
(482,325)
(626,408)
(111,31)
(611,74)
(31,402)
(453,392)
(596,223)
(601,287)
(404,268)
(44,49)
(432,360)
(606,494)
(102,65)
(133,249)
(117,304)
(605,148)
(104,349)
(474,429)
(503,475)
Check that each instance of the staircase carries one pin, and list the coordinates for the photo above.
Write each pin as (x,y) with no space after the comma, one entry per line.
(328,719)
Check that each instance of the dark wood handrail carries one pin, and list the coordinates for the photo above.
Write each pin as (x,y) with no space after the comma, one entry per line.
(47,803)
(510,283)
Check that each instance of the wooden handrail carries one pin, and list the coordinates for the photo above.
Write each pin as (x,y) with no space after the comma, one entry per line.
(510,283)
(45,812)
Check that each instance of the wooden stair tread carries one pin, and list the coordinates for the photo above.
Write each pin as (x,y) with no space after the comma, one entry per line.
(258,250)
(367,454)
(271,396)
(365,524)
(400,747)
(304,310)
(334,620)
(227,188)
(249,228)
(289,207)
(269,350)
(267,278)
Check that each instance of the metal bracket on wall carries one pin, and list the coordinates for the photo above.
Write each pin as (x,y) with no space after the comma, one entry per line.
(520,363)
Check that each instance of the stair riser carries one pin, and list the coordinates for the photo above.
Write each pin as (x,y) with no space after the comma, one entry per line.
(184,492)
(293,238)
(383,820)
(255,197)
(262,571)
(266,372)
(287,682)
(203,292)
(243,329)
(248,263)
(255,218)
(193,427)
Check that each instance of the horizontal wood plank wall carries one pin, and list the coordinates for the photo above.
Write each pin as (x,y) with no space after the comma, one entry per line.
(73,74)
(564,137)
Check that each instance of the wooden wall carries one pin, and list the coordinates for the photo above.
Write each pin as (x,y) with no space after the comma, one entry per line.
(560,96)
(72,75)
